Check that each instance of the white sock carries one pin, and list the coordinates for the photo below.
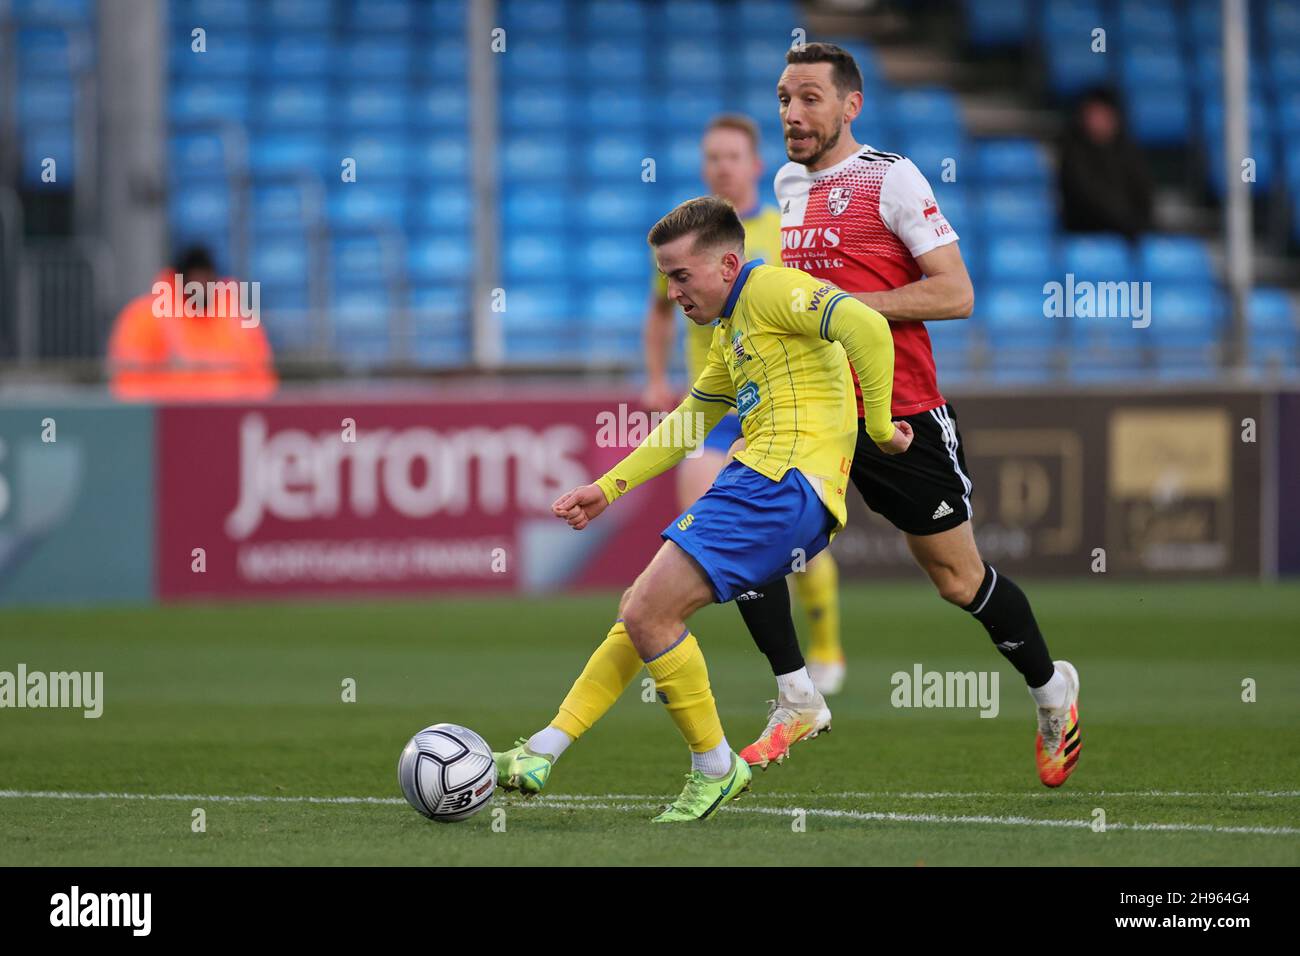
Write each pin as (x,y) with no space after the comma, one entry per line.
(796,686)
(551,741)
(1052,694)
(715,762)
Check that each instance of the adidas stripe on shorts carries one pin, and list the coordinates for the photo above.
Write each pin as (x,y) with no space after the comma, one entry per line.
(926,489)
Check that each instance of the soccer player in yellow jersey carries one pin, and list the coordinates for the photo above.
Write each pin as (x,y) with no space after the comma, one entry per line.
(732,169)
(777,357)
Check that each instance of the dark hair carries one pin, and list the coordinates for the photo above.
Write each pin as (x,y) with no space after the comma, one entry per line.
(844,69)
(736,121)
(194,259)
(713,220)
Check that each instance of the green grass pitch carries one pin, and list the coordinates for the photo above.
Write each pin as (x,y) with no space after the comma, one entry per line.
(208,707)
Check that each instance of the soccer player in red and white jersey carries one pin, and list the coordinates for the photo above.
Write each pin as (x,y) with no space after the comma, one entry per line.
(867,221)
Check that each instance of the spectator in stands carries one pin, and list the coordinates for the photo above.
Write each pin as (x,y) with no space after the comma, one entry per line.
(192,338)
(1104,182)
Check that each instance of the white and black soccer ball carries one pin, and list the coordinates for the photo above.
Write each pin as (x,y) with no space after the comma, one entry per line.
(447,772)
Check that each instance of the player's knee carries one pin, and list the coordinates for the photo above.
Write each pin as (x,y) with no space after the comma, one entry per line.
(622,602)
(954,585)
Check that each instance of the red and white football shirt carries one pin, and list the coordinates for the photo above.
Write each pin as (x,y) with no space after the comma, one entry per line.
(861,224)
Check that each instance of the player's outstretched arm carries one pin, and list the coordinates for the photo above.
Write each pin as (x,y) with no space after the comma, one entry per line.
(681,430)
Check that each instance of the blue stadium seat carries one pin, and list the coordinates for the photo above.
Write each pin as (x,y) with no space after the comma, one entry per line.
(690,18)
(530,62)
(537,17)
(441,205)
(360,205)
(212,13)
(617,107)
(933,154)
(41,142)
(1073,67)
(617,157)
(684,107)
(617,18)
(441,106)
(1010,161)
(535,255)
(226,53)
(295,55)
(1175,259)
(1147,63)
(1273,329)
(366,56)
(605,55)
(534,107)
(694,58)
(929,110)
(1004,209)
(223,101)
(528,207)
(393,15)
(1158,115)
(620,207)
(278,259)
(440,325)
(279,208)
(762,59)
(774,18)
(47,51)
(71,12)
(442,255)
(47,101)
(996,25)
(1022,341)
(1100,257)
(294,103)
(385,157)
(1020,257)
(533,158)
(443,156)
(444,58)
(375,105)
(1148,21)
(1186,322)
(284,153)
(197,155)
(296,15)
(197,208)
(615,257)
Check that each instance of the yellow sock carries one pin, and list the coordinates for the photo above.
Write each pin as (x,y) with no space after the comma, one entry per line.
(682,683)
(608,672)
(819,593)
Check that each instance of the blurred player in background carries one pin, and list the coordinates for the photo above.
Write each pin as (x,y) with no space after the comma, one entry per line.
(733,170)
(867,221)
(780,338)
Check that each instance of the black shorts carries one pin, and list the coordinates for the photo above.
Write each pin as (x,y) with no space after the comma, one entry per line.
(925,490)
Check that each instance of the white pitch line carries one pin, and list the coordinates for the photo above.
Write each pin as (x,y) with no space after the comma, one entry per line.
(585,802)
(1014,821)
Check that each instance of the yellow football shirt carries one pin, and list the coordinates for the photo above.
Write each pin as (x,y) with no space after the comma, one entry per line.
(777,356)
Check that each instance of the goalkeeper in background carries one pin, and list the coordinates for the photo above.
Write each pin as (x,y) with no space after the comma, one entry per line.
(776,358)
(732,170)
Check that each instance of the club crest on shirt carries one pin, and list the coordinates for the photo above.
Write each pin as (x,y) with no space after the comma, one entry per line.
(838,199)
(738,346)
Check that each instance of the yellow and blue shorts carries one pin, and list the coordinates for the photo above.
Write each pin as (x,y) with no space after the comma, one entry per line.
(748,530)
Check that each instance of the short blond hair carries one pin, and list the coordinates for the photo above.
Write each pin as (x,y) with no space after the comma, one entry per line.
(713,221)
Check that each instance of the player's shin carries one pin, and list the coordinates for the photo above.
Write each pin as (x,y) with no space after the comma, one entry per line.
(767,615)
(1004,611)
(609,670)
(682,685)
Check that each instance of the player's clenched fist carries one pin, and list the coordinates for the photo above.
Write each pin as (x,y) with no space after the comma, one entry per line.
(900,440)
(580,506)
